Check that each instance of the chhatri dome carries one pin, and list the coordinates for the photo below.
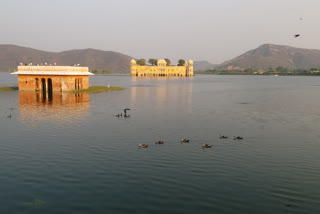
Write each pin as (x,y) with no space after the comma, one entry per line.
(133,61)
(162,62)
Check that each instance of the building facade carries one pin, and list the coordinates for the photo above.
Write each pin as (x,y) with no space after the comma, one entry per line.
(161,70)
(50,79)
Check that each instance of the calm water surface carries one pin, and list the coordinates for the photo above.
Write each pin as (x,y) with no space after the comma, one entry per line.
(72,155)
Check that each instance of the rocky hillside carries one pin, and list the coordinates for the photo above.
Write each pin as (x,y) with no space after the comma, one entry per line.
(203,65)
(271,56)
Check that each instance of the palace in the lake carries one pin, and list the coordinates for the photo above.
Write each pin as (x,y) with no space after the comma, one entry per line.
(48,79)
(161,69)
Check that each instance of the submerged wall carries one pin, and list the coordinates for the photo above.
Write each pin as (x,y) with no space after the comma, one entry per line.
(54,83)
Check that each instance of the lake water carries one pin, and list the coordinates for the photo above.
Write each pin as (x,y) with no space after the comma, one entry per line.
(72,155)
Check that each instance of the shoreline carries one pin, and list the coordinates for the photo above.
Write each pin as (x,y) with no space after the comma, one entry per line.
(91,89)
(98,89)
(9,88)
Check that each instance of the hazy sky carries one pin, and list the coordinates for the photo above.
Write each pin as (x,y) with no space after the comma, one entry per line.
(213,30)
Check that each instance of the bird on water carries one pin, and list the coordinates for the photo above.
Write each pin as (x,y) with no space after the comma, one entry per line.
(223,137)
(183,140)
(159,142)
(125,112)
(204,145)
(237,138)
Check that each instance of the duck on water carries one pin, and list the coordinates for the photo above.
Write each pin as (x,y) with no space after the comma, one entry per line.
(204,145)
(183,140)
(237,138)
(143,145)
(159,142)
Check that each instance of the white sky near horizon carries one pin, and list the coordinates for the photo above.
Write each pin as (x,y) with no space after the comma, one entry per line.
(212,30)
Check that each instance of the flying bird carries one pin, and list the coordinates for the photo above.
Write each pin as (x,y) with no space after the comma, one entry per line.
(296,35)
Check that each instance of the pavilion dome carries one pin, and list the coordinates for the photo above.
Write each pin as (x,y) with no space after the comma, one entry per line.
(162,62)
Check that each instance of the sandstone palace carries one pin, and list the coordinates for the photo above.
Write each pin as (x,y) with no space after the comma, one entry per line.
(52,78)
(161,69)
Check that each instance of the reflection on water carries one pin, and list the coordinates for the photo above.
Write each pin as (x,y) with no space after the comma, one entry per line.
(164,94)
(58,106)
(72,157)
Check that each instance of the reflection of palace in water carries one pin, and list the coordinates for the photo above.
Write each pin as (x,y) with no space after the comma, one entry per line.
(63,105)
(43,92)
(163,95)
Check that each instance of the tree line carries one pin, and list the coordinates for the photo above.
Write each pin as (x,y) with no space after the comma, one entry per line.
(151,61)
(271,71)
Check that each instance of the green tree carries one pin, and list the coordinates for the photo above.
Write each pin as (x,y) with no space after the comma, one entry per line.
(168,61)
(141,62)
(181,62)
(270,69)
(281,70)
(152,61)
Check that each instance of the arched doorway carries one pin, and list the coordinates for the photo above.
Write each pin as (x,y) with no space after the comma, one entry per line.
(50,89)
(77,83)
(43,86)
(37,84)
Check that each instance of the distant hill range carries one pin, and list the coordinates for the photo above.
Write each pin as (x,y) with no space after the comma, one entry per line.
(271,56)
(264,57)
(203,65)
(11,55)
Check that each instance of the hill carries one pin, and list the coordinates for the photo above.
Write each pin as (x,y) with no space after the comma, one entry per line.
(11,55)
(271,56)
(203,65)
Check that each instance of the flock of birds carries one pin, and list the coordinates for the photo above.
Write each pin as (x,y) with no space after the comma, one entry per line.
(44,64)
(183,140)
(125,113)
